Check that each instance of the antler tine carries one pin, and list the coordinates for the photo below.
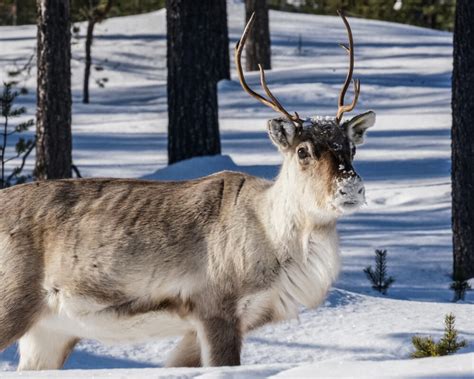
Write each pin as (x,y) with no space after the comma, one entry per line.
(350,50)
(273,102)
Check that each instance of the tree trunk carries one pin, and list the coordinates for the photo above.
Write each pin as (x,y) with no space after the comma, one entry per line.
(221,40)
(88,61)
(14,12)
(53,125)
(258,46)
(193,125)
(96,13)
(462,135)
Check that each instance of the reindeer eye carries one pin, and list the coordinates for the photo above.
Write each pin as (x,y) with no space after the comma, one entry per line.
(302,153)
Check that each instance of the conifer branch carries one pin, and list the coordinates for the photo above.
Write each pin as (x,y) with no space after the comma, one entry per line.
(378,278)
(23,147)
(448,344)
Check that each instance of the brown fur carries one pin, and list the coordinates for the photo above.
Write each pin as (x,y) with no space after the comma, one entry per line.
(20,286)
(209,259)
(136,307)
(87,237)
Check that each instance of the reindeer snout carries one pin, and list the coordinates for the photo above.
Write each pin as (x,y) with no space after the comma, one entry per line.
(350,193)
(354,187)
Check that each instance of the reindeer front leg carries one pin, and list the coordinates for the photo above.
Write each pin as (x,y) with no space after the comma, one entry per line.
(218,328)
(220,340)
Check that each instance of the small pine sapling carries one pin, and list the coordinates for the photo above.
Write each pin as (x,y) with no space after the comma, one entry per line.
(460,287)
(449,343)
(23,147)
(378,277)
(424,347)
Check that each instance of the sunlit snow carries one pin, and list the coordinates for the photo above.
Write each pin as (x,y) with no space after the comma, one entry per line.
(405,75)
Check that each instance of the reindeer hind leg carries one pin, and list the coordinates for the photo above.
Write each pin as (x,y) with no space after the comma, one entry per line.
(187,353)
(21,296)
(44,349)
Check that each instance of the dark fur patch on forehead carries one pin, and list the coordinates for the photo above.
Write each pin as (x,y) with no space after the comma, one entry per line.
(326,134)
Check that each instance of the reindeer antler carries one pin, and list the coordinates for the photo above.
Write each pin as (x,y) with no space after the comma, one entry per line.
(350,50)
(272,102)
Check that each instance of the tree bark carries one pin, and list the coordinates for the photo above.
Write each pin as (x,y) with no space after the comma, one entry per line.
(219,24)
(193,125)
(258,45)
(53,125)
(88,61)
(462,135)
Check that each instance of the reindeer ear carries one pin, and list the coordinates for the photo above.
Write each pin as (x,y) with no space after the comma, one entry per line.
(358,125)
(282,133)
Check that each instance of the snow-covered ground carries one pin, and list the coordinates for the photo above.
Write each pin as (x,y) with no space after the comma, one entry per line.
(405,73)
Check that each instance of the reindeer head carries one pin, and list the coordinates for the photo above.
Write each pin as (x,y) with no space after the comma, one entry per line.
(318,151)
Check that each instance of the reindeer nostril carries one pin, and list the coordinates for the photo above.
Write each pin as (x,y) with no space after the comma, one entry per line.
(361,190)
(342,192)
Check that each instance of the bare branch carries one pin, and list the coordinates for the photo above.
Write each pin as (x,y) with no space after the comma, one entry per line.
(76,171)
(23,162)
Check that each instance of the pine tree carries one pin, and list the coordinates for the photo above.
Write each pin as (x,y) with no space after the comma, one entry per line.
(449,343)
(438,14)
(424,347)
(94,11)
(53,125)
(378,278)
(462,135)
(258,46)
(221,40)
(193,124)
(23,147)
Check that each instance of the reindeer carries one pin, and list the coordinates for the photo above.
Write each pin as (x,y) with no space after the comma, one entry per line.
(209,259)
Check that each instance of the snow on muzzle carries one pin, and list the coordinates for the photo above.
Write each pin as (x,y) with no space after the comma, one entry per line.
(350,192)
